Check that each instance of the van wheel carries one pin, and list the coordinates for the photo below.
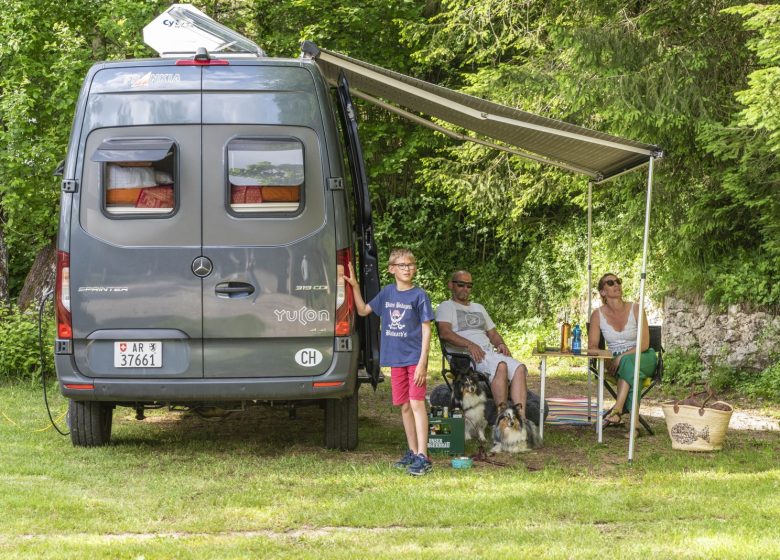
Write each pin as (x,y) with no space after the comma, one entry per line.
(341,422)
(90,423)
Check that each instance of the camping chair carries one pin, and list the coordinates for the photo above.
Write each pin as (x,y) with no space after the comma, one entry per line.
(649,383)
(454,362)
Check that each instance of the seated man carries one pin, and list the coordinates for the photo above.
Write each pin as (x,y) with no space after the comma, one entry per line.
(463,324)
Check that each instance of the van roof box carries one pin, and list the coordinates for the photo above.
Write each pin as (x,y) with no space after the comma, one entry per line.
(182,30)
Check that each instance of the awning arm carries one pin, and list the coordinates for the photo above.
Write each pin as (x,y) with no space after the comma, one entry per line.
(657,154)
(458,136)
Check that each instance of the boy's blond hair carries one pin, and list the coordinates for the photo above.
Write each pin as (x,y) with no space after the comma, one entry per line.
(398,253)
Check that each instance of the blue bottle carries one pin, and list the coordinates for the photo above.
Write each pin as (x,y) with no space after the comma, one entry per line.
(576,344)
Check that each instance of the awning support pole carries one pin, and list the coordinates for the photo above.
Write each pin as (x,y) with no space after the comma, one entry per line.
(590,287)
(640,320)
(590,248)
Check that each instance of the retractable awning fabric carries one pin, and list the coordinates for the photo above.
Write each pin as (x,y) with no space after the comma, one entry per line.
(595,154)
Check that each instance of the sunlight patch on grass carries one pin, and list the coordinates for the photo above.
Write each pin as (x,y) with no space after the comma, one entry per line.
(542,540)
(260,485)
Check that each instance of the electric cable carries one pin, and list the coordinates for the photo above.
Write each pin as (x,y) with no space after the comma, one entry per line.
(41,308)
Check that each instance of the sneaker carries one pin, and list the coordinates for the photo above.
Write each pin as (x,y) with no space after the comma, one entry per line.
(420,466)
(405,461)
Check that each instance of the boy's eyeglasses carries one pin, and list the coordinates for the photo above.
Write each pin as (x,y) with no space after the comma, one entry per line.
(405,266)
(462,284)
(612,282)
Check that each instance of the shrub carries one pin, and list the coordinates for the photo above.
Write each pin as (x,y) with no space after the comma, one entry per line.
(766,384)
(19,352)
(722,377)
(682,367)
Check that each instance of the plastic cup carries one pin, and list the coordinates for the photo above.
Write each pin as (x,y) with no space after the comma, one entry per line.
(540,345)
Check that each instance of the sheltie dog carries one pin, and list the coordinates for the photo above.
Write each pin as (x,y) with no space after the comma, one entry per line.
(472,397)
(512,433)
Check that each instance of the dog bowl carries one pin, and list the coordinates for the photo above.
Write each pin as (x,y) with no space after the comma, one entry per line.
(462,462)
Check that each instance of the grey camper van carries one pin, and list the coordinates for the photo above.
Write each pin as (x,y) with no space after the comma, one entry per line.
(210,205)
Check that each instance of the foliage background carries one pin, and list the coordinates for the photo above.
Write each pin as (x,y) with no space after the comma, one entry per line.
(697,77)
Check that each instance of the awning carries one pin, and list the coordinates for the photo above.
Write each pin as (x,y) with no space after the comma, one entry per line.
(595,154)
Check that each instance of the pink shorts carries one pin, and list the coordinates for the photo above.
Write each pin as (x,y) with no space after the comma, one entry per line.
(402,384)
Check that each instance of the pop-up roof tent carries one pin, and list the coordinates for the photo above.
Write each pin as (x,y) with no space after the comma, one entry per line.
(183,30)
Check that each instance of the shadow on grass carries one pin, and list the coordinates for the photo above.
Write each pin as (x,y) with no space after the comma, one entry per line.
(270,432)
(573,450)
(261,430)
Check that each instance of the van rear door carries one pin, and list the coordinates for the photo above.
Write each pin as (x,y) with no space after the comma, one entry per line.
(368,269)
(135,232)
(269,301)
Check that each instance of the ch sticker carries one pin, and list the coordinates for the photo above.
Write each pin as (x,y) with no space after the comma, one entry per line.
(308,357)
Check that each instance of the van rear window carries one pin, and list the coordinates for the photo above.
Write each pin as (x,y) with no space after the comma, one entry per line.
(265,176)
(137,180)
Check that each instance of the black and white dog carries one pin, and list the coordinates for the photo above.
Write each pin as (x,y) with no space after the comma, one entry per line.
(472,397)
(512,433)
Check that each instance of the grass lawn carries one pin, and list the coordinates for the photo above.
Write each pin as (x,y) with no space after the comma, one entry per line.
(258,484)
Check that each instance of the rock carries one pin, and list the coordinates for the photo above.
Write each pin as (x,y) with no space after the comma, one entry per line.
(739,337)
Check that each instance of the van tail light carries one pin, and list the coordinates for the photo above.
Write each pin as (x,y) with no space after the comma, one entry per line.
(64,328)
(345,301)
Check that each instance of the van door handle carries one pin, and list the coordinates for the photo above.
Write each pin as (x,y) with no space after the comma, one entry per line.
(234,289)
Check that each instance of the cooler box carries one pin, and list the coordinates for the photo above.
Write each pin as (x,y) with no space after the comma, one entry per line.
(446,435)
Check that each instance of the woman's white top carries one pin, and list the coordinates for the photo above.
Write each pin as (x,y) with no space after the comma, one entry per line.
(619,341)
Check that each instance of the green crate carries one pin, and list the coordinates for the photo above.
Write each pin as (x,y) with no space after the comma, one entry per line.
(446,435)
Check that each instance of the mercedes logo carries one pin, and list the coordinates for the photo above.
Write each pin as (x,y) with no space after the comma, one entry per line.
(201,267)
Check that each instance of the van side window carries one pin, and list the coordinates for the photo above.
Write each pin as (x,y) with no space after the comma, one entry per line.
(138,176)
(265,176)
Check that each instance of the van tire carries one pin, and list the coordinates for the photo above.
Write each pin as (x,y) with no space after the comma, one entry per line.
(341,422)
(90,423)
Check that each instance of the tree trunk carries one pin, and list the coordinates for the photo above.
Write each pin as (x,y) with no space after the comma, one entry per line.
(41,277)
(4,296)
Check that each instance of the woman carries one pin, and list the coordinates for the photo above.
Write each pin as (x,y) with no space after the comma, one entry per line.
(616,320)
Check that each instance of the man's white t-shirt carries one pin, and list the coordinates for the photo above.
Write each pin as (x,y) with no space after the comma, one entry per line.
(469,321)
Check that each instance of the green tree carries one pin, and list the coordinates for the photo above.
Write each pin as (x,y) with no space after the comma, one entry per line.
(46,48)
(696,77)
(665,72)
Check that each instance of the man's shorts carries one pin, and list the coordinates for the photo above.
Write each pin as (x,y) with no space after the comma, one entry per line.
(489,364)
(403,387)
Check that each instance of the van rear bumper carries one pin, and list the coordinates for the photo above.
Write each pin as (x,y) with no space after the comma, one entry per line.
(339,381)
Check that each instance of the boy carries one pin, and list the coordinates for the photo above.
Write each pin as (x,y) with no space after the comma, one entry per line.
(406,314)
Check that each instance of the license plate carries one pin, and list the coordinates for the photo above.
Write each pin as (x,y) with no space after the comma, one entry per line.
(138,354)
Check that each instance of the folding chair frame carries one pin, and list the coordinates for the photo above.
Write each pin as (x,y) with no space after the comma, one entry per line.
(655,344)
(446,365)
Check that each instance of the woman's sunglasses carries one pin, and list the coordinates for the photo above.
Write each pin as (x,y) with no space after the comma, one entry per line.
(612,282)
(462,284)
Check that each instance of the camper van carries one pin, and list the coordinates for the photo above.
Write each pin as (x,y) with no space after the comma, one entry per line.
(211,203)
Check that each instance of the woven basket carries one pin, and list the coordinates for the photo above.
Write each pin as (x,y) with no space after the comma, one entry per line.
(694,428)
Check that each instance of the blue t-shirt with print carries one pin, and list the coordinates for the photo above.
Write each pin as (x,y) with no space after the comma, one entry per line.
(402,314)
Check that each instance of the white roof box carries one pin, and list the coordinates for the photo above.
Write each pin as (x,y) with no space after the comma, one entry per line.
(182,29)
